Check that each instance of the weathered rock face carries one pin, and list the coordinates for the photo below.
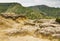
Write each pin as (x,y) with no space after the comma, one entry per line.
(21,27)
(12,16)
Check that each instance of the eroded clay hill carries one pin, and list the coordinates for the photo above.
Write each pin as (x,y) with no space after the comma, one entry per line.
(19,28)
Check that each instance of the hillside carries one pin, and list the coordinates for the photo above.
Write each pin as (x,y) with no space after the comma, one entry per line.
(48,11)
(5,6)
(19,9)
(33,12)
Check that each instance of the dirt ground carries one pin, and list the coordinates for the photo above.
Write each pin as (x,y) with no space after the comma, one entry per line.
(27,30)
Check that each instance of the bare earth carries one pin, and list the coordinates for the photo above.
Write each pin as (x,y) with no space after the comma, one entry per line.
(29,30)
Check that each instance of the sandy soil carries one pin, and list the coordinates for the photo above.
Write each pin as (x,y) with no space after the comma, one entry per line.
(28,30)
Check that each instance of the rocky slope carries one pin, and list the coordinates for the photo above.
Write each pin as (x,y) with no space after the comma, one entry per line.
(24,29)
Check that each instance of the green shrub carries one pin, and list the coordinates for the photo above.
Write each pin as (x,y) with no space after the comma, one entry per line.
(57,20)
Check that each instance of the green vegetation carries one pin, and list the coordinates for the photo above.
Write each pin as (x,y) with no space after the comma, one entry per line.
(48,11)
(57,20)
(33,12)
